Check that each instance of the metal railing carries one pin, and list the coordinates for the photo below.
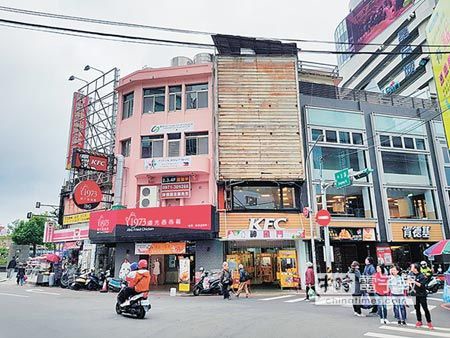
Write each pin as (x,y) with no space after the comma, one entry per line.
(318,67)
(338,93)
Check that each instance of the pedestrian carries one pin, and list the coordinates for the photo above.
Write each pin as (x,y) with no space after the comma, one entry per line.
(11,267)
(397,289)
(21,275)
(369,271)
(226,280)
(310,280)
(244,280)
(380,285)
(124,269)
(417,282)
(156,270)
(354,269)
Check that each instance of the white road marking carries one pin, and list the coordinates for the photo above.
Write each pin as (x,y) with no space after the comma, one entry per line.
(39,291)
(295,300)
(13,295)
(383,335)
(436,327)
(279,297)
(436,299)
(430,307)
(426,332)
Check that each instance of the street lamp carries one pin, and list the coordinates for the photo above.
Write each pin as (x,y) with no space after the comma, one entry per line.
(310,202)
(87,67)
(73,77)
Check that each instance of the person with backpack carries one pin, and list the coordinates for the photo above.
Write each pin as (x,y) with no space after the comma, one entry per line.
(226,280)
(244,280)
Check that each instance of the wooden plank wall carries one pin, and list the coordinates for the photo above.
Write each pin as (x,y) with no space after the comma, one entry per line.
(258,118)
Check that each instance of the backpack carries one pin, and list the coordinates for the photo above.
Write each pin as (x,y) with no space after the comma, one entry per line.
(247,276)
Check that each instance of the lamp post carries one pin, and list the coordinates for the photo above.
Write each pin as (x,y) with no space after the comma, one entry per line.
(87,67)
(73,77)
(310,202)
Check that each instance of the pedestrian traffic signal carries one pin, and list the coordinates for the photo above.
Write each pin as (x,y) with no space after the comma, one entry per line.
(29,215)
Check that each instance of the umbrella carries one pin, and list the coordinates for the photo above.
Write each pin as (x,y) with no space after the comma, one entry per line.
(52,258)
(440,248)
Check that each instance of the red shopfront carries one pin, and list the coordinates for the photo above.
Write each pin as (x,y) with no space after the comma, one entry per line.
(131,229)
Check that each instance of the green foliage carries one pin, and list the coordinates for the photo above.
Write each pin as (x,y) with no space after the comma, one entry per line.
(3,256)
(29,232)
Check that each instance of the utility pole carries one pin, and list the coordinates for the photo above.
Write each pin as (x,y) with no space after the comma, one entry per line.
(323,190)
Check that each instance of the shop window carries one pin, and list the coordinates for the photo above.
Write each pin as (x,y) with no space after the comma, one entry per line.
(196,143)
(420,143)
(127,107)
(344,137)
(397,142)
(125,147)
(338,158)
(357,138)
(409,142)
(154,100)
(316,133)
(197,96)
(173,145)
(411,203)
(331,136)
(175,98)
(152,146)
(264,197)
(385,140)
(352,201)
(405,164)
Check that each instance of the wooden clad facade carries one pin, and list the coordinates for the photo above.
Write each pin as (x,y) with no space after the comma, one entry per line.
(258,122)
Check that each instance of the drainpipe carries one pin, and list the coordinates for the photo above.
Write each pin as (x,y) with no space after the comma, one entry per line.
(118,184)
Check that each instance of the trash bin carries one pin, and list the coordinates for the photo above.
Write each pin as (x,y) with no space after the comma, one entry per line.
(51,279)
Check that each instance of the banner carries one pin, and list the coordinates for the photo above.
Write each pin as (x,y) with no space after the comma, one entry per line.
(76,218)
(438,33)
(167,163)
(64,235)
(172,128)
(77,130)
(184,276)
(175,248)
(384,255)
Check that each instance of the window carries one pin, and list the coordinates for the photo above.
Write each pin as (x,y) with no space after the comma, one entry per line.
(316,133)
(344,137)
(420,143)
(125,147)
(173,144)
(409,142)
(127,108)
(397,142)
(385,140)
(404,164)
(353,201)
(154,100)
(445,155)
(411,203)
(447,175)
(196,143)
(335,118)
(197,96)
(357,138)
(338,158)
(264,197)
(152,146)
(174,98)
(331,136)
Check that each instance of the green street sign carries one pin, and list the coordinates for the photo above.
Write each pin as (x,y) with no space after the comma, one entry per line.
(342,178)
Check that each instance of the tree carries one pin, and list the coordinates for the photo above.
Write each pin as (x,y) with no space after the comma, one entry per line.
(29,232)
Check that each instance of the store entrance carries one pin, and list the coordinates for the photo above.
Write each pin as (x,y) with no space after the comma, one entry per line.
(164,269)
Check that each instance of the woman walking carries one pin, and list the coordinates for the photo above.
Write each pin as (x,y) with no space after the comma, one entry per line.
(226,280)
(380,286)
(310,280)
(21,275)
(397,289)
(244,280)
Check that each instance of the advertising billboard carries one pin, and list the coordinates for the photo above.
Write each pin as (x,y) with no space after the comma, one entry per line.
(77,131)
(438,33)
(371,17)
(83,159)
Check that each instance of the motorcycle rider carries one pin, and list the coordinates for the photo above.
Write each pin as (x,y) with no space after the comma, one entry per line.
(138,282)
(426,270)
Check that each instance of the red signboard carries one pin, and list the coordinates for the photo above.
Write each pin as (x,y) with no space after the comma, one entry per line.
(175,187)
(84,160)
(196,217)
(77,131)
(87,195)
(384,255)
(371,17)
(323,217)
(64,235)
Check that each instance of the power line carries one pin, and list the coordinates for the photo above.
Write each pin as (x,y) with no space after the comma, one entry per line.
(138,39)
(187,31)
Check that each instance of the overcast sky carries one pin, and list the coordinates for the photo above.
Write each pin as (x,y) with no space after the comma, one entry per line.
(35,66)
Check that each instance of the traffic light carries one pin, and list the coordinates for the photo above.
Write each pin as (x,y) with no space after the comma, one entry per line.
(29,215)
(38,205)
(363,173)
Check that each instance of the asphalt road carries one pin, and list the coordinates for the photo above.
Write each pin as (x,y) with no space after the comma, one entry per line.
(54,312)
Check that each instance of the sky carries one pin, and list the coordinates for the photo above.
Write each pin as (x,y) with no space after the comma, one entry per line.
(35,66)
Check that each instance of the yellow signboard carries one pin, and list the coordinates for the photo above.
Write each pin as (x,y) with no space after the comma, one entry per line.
(77,218)
(438,33)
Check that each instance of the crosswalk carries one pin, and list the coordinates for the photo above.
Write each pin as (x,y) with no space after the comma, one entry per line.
(410,331)
(298,298)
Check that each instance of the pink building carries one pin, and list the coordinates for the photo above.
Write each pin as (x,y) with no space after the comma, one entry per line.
(165,133)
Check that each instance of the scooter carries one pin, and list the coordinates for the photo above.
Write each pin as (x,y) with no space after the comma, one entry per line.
(112,284)
(136,306)
(95,282)
(433,285)
(207,285)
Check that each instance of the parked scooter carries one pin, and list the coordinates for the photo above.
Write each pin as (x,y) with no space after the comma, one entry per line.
(110,283)
(88,281)
(207,285)
(434,285)
(136,306)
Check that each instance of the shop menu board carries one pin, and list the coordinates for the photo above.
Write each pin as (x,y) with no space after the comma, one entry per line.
(248,234)
(352,234)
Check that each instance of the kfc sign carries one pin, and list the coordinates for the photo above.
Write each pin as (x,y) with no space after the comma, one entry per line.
(266,223)
(87,161)
(87,195)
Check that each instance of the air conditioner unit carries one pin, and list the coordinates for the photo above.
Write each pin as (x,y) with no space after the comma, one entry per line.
(148,197)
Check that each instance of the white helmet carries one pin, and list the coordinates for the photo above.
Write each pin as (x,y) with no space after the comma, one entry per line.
(423,263)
